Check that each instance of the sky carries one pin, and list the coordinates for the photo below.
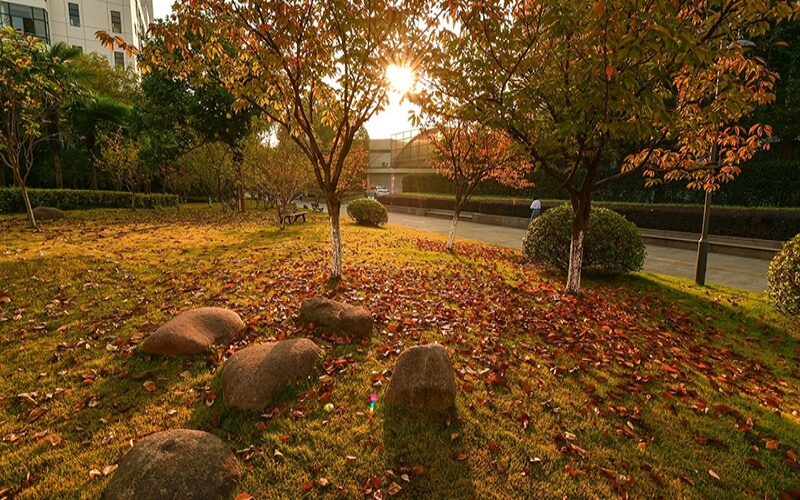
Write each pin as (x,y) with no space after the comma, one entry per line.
(392,120)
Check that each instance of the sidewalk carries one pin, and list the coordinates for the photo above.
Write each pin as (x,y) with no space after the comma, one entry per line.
(739,272)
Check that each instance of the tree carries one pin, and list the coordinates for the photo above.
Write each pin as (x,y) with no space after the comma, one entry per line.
(300,62)
(121,160)
(212,169)
(92,116)
(25,88)
(780,48)
(647,86)
(67,76)
(283,171)
(470,154)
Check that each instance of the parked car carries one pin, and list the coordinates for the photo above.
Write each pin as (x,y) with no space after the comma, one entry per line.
(381,191)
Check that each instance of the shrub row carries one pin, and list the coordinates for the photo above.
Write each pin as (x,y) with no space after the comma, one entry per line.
(766,183)
(73,199)
(759,223)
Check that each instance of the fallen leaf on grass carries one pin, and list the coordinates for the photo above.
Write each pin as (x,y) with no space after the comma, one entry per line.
(308,486)
(244,496)
(713,474)
(108,469)
(754,463)
(394,489)
(572,472)
(461,457)
(149,386)
(35,414)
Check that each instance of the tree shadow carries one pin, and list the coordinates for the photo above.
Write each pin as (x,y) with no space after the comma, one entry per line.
(420,444)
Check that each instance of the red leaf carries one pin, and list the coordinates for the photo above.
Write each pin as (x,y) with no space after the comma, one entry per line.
(461,457)
(308,486)
(754,463)
(244,496)
(570,471)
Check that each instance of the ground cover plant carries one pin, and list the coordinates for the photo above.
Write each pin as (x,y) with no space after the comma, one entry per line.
(642,386)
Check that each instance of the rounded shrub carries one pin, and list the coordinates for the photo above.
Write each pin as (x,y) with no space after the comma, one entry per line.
(368,212)
(611,243)
(783,278)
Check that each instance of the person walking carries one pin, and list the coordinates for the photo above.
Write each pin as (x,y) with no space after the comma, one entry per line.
(536,208)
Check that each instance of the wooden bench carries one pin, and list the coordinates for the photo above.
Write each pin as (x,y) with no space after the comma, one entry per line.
(293,217)
(315,207)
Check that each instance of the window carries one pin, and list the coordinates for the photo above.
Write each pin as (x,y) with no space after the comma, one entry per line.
(116,22)
(28,20)
(119,59)
(74,14)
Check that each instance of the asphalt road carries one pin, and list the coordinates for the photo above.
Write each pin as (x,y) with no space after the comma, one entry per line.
(738,272)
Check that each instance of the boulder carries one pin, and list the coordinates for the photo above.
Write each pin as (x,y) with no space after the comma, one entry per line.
(194,332)
(177,463)
(336,317)
(251,376)
(47,213)
(423,379)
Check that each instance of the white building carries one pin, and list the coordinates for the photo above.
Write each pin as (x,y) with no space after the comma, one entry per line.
(75,22)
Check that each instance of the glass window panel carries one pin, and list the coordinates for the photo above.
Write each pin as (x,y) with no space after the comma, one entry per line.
(3,7)
(16,22)
(20,10)
(119,59)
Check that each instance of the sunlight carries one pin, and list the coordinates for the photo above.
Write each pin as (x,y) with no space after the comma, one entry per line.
(401,78)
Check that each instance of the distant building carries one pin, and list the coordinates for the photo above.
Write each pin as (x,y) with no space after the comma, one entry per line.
(75,22)
(392,159)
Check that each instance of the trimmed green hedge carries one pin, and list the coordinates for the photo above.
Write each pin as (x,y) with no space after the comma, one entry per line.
(73,199)
(759,223)
(763,183)
(368,212)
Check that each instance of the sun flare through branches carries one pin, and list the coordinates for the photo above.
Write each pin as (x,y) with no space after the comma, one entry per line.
(400,77)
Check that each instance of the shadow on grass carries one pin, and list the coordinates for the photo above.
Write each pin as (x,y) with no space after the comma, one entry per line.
(421,442)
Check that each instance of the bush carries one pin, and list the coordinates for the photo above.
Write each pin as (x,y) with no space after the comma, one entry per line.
(611,244)
(783,278)
(73,199)
(367,212)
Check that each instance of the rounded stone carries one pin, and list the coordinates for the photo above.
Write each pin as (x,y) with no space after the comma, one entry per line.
(194,332)
(47,213)
(251,376)
(423,378)
(336,317)
(178,463)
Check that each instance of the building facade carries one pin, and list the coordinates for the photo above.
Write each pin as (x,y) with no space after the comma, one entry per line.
(75,22)
(392,159)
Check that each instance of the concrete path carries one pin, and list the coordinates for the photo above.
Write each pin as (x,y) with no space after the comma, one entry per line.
(738,272)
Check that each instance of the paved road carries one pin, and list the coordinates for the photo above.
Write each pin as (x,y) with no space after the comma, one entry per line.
(738,272)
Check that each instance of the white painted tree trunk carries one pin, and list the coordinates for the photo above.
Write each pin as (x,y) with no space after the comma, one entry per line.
(451,236)
(575,261)
(25,198)
(336,239)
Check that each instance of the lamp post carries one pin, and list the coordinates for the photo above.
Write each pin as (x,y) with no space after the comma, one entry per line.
(704,244)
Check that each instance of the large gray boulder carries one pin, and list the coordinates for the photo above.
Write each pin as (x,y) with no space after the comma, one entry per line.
(177,463)
(194,332)
(251,376)
(47,213)
(336,317)
(423,379)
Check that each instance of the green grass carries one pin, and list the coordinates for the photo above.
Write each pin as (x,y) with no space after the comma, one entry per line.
(633,386)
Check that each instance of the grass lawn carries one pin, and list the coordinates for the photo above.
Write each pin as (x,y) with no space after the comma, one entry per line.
(643,386)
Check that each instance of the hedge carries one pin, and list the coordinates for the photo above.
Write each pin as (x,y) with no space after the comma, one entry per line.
(766,183)
(758,223)
(73,199)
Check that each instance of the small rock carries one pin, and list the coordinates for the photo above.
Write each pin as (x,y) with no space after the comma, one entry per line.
(422,378)
(47,213)
(194,332)
(177,463)
(251,376)
(336,317)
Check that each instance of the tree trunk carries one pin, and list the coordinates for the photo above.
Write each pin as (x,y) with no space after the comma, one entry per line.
(238,160)
(334,208)
(451,236)
(25,199)
(54,138)
(90,147)
(2,177)
(580,221)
